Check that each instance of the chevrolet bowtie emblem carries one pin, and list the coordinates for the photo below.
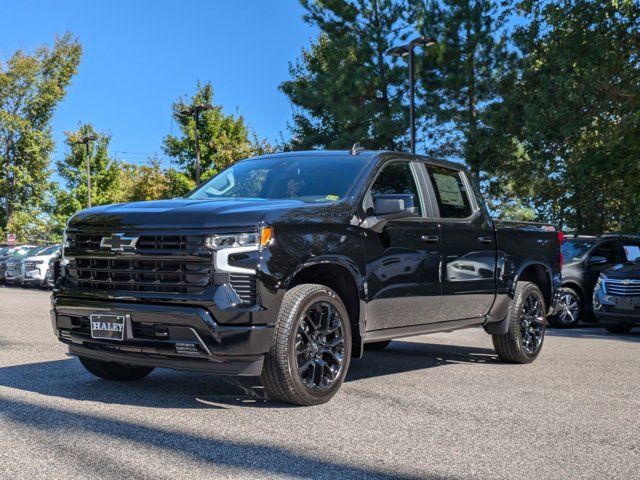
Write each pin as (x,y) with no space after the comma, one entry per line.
(118,242)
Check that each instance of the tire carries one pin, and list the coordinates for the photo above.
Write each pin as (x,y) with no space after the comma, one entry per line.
(620,328)
(377,345)
(113,370)
(570,310)
(526,316)
(300,355)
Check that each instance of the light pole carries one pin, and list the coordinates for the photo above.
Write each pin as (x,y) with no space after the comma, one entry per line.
(85,139)
(403,51)
(194,111)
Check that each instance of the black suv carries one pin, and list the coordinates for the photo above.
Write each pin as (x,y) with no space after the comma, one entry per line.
(585,258)
(288,265)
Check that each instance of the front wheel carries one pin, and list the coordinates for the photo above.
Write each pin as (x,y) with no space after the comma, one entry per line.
(619,328)
(311,348)
(523,341)
(113,370)
(569,310)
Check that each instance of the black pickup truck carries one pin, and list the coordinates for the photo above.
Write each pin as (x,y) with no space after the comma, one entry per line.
(288,265)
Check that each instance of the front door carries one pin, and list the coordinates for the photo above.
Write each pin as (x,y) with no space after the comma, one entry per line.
(403,258)
(468,247)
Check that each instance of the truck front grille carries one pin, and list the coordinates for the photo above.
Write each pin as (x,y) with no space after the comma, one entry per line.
(622,287)
(182,243)
(137,275)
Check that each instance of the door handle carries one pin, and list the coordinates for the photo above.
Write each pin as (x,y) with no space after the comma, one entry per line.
(485,239)
(430,238)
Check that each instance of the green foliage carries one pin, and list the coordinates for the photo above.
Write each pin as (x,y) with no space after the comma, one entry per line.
(571,106)
(30,88)
(344,88)
(106,175)
(224,139)
(459,75)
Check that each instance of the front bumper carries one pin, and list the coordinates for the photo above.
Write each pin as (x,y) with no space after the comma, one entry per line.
(13,276)
(178,337)
(607,311)
(35,276)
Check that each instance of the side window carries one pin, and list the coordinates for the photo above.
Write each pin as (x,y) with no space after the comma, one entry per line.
(451,192)
(631,250)
(607,250)
(397,178)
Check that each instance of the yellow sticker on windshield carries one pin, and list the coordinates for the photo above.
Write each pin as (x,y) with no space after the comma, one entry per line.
(333,197)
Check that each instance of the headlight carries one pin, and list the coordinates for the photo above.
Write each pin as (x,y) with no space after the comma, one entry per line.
(600,283)
(259,239)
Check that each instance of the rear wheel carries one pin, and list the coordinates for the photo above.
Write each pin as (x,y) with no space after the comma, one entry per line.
(620,328)
(569,309)
(377,345)
(523,341)
(113,370)
(311,348)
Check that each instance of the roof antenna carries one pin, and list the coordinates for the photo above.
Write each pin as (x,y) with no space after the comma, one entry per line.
(357,148)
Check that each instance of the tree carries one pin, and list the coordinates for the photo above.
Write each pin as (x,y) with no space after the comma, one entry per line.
(459,76)
(148,182)
(224,139)
(571,109)
(30,88)
(106,175)
(344,88)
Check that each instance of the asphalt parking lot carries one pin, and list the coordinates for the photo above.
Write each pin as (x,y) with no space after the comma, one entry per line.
(436,406)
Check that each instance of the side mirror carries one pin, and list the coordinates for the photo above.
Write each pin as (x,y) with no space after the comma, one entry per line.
(394,206)
(597,260)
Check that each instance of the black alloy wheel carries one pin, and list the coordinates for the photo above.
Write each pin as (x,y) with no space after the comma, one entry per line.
(532,323)
(311,350)
(526,326)
(320,346)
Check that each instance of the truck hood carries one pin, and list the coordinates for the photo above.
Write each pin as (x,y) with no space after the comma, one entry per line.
(629,270)
(183,213)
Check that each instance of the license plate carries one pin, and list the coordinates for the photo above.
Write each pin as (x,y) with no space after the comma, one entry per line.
(107,326)
(626,303)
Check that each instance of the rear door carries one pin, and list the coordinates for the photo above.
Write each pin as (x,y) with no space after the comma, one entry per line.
(403,258)
(468,246)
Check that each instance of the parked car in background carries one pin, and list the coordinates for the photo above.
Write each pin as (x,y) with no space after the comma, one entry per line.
(616,297)
(14,273)
(50,276)
(35,267)
(585,258)
(9,256)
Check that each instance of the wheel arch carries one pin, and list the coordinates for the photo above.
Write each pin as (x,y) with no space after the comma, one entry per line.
(573,285)
(539,273)
(343,277)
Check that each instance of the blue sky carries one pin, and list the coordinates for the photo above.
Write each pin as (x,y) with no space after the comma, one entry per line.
(139,56)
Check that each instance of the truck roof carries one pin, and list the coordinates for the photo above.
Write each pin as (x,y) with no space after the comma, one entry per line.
(372,155)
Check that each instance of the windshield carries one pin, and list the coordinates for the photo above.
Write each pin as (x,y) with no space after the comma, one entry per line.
(50,250)
(308,179)
(575,249)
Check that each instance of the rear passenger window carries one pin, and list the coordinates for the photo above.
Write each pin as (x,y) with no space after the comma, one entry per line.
(631,250)
(451,192)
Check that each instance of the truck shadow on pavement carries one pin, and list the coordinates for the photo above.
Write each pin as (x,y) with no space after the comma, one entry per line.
(261,460)
(172,389)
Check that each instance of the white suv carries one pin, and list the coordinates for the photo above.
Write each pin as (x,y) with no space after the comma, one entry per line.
(34,269)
